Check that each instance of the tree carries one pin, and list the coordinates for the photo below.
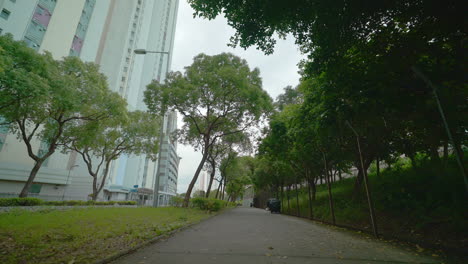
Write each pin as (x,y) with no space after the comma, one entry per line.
(126,133)
(238,174)
(217,96)
(290,96)
(24,78)
(221,149)
(40,104)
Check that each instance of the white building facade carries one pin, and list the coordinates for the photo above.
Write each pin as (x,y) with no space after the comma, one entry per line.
(105,32)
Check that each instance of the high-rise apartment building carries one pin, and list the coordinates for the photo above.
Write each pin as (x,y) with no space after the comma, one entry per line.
(105,32)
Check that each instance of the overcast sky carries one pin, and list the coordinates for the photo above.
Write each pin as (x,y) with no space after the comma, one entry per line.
(195,36)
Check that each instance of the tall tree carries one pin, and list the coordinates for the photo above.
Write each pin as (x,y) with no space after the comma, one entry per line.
(126,133)
(40,104)
(221,149)
(217,96)
(24,77)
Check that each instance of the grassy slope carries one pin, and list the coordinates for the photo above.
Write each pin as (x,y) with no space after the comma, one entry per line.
(422,203)
(84,235)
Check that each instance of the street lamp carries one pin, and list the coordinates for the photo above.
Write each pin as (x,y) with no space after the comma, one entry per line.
(143,52)
(161,133)
(68,177)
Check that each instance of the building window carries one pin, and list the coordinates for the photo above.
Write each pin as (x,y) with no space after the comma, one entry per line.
(35,188)
(1,30)
(77,44)
(42,16)
(13,1)
(5,14)
(30,43)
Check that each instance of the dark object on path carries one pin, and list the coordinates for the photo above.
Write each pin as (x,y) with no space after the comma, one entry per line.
(274,205)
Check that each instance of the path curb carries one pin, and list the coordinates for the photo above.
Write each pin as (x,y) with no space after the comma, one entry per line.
(154,240)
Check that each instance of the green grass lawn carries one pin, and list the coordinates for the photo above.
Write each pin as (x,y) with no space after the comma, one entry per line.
(84,235)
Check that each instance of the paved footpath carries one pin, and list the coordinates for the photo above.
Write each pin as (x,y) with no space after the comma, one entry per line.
(249,235)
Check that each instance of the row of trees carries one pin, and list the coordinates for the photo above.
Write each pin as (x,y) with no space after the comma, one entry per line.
(236,173)
(382,79)
(220,99)
(68,106)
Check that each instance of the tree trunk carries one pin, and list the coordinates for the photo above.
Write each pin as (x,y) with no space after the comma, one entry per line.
(282,195)
(97,189)
(339,175)
(330,197)
(311,213)
(434,154)
(297,200)
(195,178)
(32,176)
(360,176)
(211,182)
(377,165)
(358,181)
(314,190)
(287,197)
(219,187)
(223,191)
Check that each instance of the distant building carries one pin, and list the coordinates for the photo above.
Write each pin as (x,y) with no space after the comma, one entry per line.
(203,181)
(105,32)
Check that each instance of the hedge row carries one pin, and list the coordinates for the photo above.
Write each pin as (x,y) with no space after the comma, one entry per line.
(209,204)
(35,201)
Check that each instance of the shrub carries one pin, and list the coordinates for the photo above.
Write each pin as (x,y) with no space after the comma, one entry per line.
(199,202)
(20,201)
(177,201)
(126,202)
(214,205)
(75,202)
(55,203)
(210,204)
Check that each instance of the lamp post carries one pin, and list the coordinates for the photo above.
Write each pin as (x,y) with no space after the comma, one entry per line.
(143,52)
(68,177)
(161,133)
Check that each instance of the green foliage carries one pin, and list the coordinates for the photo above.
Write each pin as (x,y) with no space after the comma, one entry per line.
(208,204)
(199,202)
(217,96)
(199,193)
(410,201)
(237,171)
(44,99)
(23,78)
(125,132)
(20,201)
(177,201)
(85,235)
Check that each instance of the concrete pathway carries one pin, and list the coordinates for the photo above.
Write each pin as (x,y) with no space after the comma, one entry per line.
(248,235)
